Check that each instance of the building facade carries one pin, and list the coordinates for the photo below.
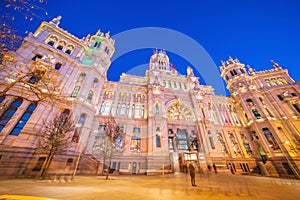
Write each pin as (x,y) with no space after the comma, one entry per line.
(165,120)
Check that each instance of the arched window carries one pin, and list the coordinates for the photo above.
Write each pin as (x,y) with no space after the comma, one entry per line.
(156,108)
(270,138)
(256,113)
(95,82)
(90,96)
(137,111)
(106,108)
(249,102)
(51,43)
(112,107)
(101,107)
(4,119)
(136,140)
(78,128)
(82,119)
(68,51)
(59,47)
(81,77)
(235,73)
(157,139)
(75,91)
(57,66)
(22,122)
(119,142)
(123,109)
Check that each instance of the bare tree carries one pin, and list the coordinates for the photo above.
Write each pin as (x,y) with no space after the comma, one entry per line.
(10,39)
(35,81)
(56,137)
(112,130)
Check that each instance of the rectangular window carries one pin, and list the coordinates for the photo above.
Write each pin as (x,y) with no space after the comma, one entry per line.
(296,107)
(75,91)
(69,161)
(158,143)
(256,114)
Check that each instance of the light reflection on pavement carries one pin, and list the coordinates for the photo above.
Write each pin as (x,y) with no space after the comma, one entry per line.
(174,186)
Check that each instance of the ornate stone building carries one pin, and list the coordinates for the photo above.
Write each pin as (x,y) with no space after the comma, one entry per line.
(165,119)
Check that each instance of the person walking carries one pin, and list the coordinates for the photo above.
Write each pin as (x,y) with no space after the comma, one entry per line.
(192,174)
(215,168)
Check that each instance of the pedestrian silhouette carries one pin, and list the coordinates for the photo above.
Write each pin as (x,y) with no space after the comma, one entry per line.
(192,174)
(215,168)
(209,168)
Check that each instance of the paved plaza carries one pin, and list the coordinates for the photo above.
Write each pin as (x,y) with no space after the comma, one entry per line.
(172,186)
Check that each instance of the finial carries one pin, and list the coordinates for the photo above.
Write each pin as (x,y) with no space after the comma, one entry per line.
(107,34)
(56,20)
(250,69)
(223,63)
(98,32)
(276,66)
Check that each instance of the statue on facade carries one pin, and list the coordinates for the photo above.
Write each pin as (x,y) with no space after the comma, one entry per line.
(276,66)
(189,71)
(98,32)
(56,20)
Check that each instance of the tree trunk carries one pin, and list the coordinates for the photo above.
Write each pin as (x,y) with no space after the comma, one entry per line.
(47,165)
(109,159)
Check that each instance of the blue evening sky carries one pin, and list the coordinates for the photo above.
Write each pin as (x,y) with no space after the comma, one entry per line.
(254,31)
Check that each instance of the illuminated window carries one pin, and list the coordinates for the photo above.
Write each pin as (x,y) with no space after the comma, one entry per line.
(137,111)
(75,91)
(256,113)
(22,122)
(136,140)
(99,143)
(268,82)
(270,138)
(4,119)
(107,107)
(123,109)
(90,96)
(170,143)
(156,108)
(119,142)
